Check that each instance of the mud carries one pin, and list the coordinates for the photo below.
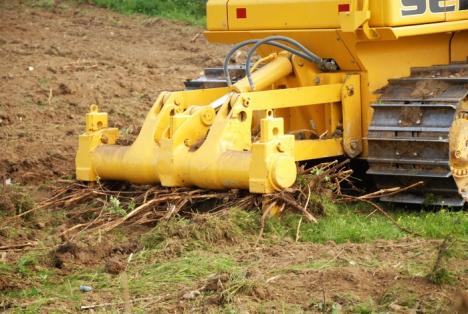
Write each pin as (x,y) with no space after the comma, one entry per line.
(429,89)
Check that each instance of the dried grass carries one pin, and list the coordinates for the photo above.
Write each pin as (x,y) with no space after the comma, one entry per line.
(102,207)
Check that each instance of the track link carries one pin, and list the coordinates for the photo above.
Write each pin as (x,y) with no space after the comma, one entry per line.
(409,134)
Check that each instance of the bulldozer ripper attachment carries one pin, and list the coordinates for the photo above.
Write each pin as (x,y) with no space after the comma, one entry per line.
(233,137)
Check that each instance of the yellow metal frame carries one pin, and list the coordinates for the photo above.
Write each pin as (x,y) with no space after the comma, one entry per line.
(324,14)
(188,140)
(236,137)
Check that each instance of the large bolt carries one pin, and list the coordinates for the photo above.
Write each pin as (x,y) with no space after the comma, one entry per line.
(207,116)
(283,172)
(245,102)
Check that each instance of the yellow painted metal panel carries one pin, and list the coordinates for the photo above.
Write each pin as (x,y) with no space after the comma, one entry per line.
(388,59)
(459,47)
(216,15)
(322,14)
(294,97)
(315,149)
(434,28)
(278,14)
(351,106)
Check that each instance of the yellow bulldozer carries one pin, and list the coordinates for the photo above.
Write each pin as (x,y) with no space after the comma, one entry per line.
(382,81)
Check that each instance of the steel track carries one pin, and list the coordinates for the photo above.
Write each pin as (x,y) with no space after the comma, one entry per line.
(409,134)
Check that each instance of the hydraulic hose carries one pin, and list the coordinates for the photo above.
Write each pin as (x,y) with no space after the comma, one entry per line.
(250,42)
(310,56)
(324,64)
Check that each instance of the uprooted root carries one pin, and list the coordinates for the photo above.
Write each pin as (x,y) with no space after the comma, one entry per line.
(102,207)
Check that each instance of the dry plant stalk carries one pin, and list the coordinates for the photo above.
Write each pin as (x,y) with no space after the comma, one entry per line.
(101,207)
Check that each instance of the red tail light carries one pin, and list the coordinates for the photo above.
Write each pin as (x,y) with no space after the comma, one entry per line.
(344,7)
(241,13)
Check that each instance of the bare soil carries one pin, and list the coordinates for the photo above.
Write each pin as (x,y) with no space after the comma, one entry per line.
(56,62)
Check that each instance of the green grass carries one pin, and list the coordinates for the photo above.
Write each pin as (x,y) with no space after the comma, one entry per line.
(203,241)
(365,307)
(40,3)
(192,11)
(340,224)
(348,225)
(400,295)
(165,275)
(145,278)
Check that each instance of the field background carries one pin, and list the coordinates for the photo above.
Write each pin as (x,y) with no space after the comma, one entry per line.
(57,58)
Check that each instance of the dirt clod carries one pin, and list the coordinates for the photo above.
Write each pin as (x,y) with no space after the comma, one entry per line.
(427,89)
(114,266)
(216,283)
(6,204)
(67,247)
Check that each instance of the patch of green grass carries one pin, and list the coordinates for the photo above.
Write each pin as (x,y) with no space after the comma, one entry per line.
(238,282)
(416,268)
(366,307)
(49,287)
(145,277)
(340,224)
(47,4)
(192,11)
(398,295)
(442,276)
(115,207)
(350,224)
(164,276)
(24,264)
(437,225)
(5,268)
